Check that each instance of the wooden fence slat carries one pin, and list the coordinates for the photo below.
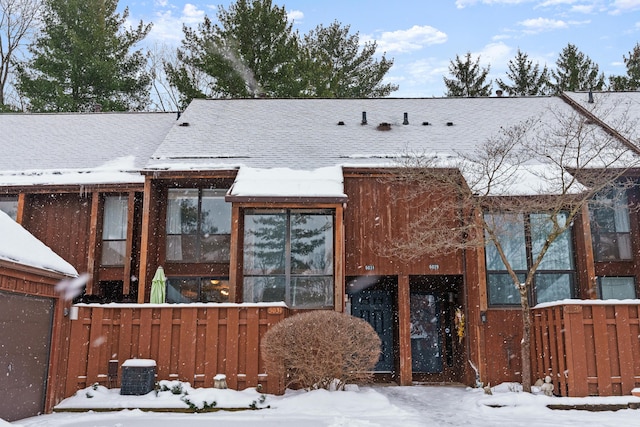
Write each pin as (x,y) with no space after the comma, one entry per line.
(603,362)
(144,343)
(211,346)
(125,345)
(165,350)
(576,359)
(252,352)
(624,350)
(553,337)
(96,343)
(187,350)
(561,341)
(76,366)
(231,347)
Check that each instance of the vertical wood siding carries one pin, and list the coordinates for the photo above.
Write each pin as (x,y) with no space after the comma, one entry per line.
(588,350)
(380,211)
(62,222)
(188,343)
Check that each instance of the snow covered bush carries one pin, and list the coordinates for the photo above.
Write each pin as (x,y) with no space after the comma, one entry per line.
(321,349)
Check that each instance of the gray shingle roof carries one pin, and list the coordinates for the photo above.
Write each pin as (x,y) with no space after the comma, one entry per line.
(54,142)
(620,110)
(304,133)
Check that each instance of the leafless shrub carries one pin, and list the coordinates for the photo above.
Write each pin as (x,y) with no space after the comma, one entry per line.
(321,349)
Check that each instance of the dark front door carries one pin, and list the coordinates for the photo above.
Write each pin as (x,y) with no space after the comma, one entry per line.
(376,307)
(426,344)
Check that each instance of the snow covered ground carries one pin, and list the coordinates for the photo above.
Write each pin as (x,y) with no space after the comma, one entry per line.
(388,406)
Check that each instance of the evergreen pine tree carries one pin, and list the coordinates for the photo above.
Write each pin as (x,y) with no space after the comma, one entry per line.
(468,78)
(632,80)
(252,52)
(576,72)
(83,59)
(339,68)
(526,78)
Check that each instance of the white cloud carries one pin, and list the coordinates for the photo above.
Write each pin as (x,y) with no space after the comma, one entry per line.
(496,54)
(295,15)
(415,38)
(191,14)
(539,25)
(501,37)
(549,3)
(623,6)
(167,26)
(421,78)
(461,4)
(583,8)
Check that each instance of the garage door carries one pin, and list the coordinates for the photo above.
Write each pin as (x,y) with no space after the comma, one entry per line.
(25,340)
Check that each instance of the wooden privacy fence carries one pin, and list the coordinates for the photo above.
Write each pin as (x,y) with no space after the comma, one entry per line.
(590,348)
(190,342)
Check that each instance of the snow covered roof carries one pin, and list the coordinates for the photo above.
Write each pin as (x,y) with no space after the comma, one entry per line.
(306,134)
(320,183)
(619,110)
(286,136)
(19,246)
(77,148)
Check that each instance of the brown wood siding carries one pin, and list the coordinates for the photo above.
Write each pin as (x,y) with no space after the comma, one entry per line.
(588,350)
(62,222)
(377,212)
(188,343)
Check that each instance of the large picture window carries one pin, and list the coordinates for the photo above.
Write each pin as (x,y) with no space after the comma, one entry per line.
(610,227)
(522,238)
(114,230)
(198,225)
(288,256)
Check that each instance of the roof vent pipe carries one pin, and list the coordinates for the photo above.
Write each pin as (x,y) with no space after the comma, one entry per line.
(590,97)
(406,119)
(364,118)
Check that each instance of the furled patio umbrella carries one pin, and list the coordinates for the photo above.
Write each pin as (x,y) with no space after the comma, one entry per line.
(158,287)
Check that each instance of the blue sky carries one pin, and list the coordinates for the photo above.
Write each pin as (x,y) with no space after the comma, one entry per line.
(422,36)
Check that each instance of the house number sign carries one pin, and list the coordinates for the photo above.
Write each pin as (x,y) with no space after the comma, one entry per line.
(434,266)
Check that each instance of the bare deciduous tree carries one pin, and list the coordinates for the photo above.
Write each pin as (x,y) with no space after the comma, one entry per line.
(164,97)
(546,170)
(18,20)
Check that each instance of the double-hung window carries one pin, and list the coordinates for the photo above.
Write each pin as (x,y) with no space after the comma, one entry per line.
(288,256)
(522,238)
(198,225)
(610,226)
(114,230)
